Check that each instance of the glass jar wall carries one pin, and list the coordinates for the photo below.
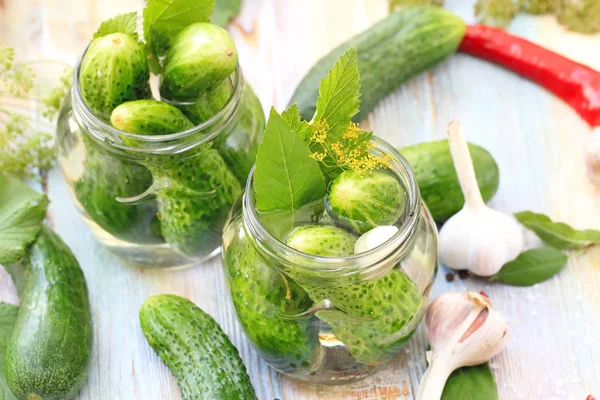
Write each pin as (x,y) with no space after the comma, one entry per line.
(330,320)
(159,201)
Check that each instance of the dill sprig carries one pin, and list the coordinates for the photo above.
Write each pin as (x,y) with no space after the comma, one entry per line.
(27,110)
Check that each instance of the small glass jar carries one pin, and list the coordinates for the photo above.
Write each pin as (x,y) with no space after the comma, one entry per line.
(162,200)
(331,320)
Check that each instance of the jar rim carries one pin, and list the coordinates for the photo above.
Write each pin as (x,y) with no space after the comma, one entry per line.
(109,133)
(277,249)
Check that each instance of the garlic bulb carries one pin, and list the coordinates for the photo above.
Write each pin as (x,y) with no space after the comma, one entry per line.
(463,330)
(591,157)
(477,238)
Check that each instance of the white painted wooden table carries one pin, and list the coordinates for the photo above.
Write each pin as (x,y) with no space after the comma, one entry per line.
(554,346)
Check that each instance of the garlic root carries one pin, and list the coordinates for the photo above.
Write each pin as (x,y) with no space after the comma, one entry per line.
(463,330)
(477,238)
(591,157)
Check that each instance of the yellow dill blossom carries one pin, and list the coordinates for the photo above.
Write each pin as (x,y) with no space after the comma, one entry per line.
(319,129)
(318,156)
(352,131)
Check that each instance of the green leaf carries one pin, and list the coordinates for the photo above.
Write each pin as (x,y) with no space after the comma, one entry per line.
(557,234)
(225,11)
(164,19)
(122,23)
(286,177)
(8,318)
(22,212)
(471,383)
(339,94)
(532,266)
(292,117)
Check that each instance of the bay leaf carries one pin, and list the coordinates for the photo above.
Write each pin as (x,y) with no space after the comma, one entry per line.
(557,234)
(532,266)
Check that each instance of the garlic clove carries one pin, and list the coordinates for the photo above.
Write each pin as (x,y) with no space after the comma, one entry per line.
(374,238)
(591,157)
(463,330)
(477,238)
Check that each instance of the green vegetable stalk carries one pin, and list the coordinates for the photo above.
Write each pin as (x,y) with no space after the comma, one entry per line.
(194,189)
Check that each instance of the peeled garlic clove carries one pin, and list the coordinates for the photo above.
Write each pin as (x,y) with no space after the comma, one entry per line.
(374,238)
(463,330)
(591,157)
(477,238)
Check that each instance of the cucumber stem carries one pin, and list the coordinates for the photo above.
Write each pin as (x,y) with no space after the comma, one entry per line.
(463,163)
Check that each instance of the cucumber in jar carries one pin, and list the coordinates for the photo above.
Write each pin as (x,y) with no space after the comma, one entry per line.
(194,189)
(201,57)
(371,315)
(113,70)
(266,303)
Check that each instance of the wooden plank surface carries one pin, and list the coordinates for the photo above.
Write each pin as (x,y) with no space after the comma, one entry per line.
(554,346)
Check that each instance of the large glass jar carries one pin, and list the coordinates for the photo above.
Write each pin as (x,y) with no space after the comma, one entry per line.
(331,320)
(159,201)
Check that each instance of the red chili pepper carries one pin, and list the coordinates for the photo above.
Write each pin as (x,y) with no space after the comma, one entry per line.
(576,84)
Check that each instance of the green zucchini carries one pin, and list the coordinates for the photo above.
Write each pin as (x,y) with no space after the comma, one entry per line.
(434,169)
(392,51)
(196,350)
(48,355)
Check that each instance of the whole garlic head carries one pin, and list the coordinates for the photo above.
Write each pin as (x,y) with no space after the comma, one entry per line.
(477,238)
(463,330)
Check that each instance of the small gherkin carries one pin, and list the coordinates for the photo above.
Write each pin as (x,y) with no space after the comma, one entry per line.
(198,188)
(113,70)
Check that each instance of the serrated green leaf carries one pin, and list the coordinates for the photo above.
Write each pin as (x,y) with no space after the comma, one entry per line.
(122,23)
(8,318)
(164,19)
(339,94)
(471,383)
(532,266)
(557,234)
(286,177)
(225,11)
(22,212)
(292,117)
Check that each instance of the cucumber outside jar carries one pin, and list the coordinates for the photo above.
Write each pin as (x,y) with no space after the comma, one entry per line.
(160,200)
(337,316)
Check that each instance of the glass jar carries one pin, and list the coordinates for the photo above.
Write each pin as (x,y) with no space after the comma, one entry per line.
(331,320)
(159,201)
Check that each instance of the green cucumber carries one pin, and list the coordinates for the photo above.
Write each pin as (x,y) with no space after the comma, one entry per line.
(438,183)
(372,315)
(194,347)
(106,178)
(199,187)
(321,240)
(49,352)
(209,104)
(113,70)
(266,303)
(201,57)
(360,202)
(392,51)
